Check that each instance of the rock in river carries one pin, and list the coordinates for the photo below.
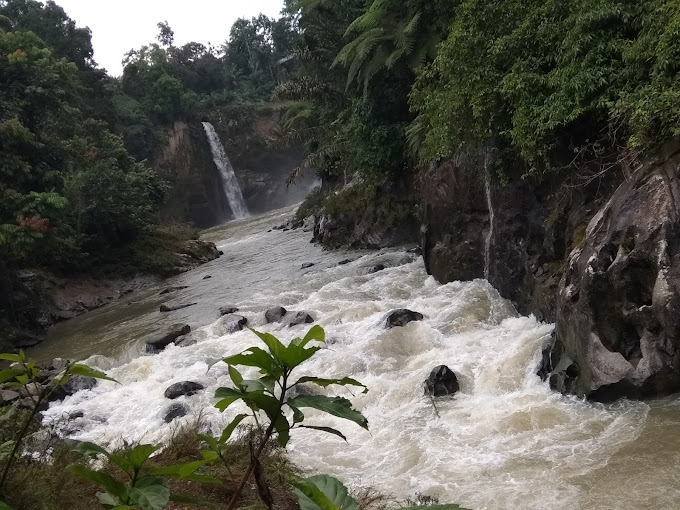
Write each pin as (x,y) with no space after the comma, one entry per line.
(301,318)
(401,317)
(176,410)
(172,308)
(184,388)
(441,382)
(170,335)
(275,314)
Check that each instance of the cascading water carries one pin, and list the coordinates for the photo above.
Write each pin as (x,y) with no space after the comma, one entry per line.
(230,186)
(504,442)
(489,203)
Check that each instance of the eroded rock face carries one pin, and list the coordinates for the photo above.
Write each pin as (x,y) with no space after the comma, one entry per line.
(171,334)
(618,320)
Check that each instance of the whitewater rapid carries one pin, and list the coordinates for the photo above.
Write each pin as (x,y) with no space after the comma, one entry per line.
(504,442)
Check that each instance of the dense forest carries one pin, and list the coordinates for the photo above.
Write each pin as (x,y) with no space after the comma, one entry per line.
(375,87)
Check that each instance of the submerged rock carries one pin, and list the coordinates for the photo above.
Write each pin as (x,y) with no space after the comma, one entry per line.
(172,308)
(171,334)
(172,289)
(275,314)
(207,277)
(185,341)
(345,262)
(174,411)
(184,388)
(226,310)
(377,268)
(401,317)
(74,384)
(441,382)
(307,265)
(301,318)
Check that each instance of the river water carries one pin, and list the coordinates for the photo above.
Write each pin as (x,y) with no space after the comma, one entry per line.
(504,442)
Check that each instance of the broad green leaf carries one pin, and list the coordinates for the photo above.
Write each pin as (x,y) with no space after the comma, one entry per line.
(210,455)
(282,428)
(315,333)
(153,497)
(140,454)
(109,500)
(326,429)
(256,357)
(185,471)
(10,357)
(224,404)
(10,373)
(210,441)
(345,381)
(102,479)
(295,355)
(323,492)
(258,400)
(80,369)
(236,376)
(337,406)
(275,346)
(91,449)
(22,379)
(298,416)
(261,384)
(228,396)
(229,429)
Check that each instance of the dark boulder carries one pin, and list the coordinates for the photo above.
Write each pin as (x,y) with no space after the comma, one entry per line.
(231,323)
(185,388)
(307,265)
(176,410)
(441,382)
(301,318)
(401,317)
(226,310)
(172,308)
(377,268)
(171,334)
(275,314)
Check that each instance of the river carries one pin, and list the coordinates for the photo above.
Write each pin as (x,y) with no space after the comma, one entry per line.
(504,442)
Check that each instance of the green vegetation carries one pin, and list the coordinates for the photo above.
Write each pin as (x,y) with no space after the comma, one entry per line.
(194,468)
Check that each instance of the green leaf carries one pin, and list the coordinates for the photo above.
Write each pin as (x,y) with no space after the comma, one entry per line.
(325,429)
(235,375)
(140,454)
(315,333)
(210,455)
(178,470)
(91,449)
(345,381)
(153,497)
(108,500)
(10,357)
(224,404)
(295,355)
(276,348)
(228,396)
(210,441)
(9,374)
(282,428)
(4,506)
(102,479)
(80,369)
(337,406)
(298,416)
(323,492)
(229,429)
(256,357)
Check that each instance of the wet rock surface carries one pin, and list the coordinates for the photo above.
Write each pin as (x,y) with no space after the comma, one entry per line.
(174,411)
(275,314)
(171,334)
(226,310)
(184,388)
(171,308)
(441,382)
(619,300)
(301,318)
(401,317)
(231,324)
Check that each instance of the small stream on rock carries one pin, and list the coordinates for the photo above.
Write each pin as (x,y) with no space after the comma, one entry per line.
(504,442)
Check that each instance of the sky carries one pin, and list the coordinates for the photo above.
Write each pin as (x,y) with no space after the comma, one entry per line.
(121,25)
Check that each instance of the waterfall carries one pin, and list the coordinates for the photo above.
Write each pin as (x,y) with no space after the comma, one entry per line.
(230,187)
(489,236)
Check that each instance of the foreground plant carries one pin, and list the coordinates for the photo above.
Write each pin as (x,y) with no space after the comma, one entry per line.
(145,488)
(24,374)
(271,395)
